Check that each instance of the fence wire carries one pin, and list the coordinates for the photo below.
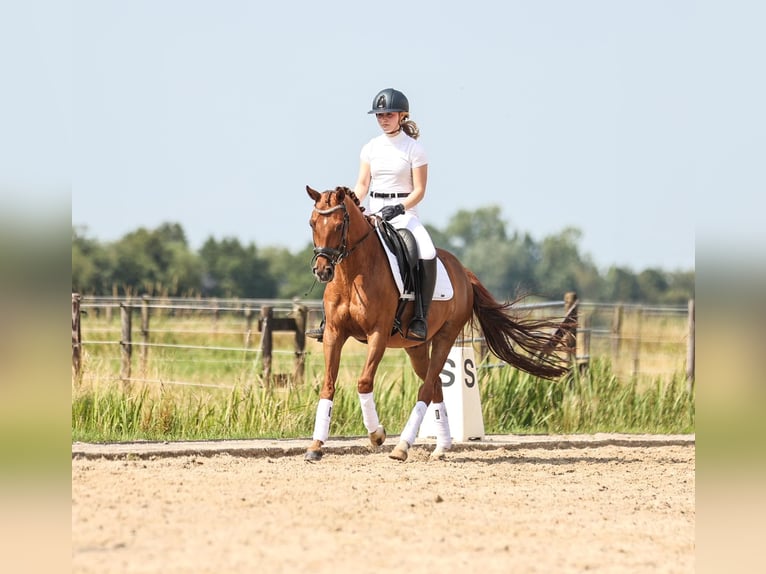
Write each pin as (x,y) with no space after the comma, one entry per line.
(638,339)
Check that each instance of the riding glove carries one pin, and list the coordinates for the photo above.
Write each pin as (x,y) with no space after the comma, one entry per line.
(391,211)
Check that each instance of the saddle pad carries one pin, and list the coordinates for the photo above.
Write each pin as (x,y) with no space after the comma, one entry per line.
(442,291)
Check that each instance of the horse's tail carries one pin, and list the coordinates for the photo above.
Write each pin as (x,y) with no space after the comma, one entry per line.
(503,333)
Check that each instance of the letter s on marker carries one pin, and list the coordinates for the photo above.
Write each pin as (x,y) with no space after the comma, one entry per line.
(470,373)
(448,374)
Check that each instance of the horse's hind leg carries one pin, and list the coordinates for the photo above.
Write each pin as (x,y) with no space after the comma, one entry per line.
(440,351)
(443,434)
(410,431)
(428,369)
(407,438)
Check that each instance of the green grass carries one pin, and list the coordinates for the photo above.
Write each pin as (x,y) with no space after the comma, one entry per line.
(595,401)
(203,379)
(512,402)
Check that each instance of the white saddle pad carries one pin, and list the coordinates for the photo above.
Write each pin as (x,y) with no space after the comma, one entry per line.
(442,291)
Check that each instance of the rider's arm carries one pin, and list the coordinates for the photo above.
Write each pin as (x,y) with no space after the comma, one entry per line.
(362,181)
(419,180)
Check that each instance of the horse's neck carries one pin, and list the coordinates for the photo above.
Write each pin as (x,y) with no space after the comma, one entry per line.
(367,254)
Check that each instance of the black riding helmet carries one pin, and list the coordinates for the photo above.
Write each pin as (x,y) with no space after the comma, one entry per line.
(389,100)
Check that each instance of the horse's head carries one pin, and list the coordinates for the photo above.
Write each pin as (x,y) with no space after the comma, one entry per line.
(329,225)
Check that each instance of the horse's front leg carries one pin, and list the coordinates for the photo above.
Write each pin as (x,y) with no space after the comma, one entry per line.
(376,347)
(332,351)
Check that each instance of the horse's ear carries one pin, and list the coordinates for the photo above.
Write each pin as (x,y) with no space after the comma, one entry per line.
(340,193)
(313,194)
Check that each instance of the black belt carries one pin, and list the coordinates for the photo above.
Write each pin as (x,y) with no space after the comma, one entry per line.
(388,195)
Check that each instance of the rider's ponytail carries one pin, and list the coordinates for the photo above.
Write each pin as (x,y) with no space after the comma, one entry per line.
(410,128)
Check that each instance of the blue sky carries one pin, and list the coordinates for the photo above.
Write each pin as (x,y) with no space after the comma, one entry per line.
(601,115)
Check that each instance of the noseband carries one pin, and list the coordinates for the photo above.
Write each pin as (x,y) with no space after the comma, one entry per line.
(337,254)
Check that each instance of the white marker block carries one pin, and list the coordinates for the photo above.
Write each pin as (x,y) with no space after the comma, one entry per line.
(460,385)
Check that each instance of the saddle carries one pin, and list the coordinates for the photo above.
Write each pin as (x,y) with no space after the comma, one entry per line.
(402,244)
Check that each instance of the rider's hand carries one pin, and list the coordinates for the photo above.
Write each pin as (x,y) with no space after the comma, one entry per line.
(391,211)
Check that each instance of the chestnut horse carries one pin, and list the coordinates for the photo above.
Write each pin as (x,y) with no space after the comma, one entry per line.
(361,299)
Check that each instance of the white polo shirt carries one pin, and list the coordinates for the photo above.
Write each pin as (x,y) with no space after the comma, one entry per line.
(391,162)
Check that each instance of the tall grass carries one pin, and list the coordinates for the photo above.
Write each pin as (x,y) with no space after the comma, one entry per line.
(512,402)
(594,401)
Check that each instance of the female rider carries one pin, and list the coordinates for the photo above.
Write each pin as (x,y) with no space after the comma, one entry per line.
(393,169)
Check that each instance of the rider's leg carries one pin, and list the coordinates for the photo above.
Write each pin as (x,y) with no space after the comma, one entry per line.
(425,278)
(418,328)
(317,334)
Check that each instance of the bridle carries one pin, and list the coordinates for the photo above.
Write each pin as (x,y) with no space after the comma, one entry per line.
(337,254)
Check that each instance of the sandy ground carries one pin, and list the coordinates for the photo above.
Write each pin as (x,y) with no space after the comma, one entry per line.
(561,506)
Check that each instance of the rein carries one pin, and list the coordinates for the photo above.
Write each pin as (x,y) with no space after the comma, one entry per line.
(337,254)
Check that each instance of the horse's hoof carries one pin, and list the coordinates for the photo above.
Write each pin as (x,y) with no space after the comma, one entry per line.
(398,454)
(378,437)
(400,451)
(313,456)
(439,453)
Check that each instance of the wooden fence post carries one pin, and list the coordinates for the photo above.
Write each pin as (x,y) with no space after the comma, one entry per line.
(300,313)
(216,314)
(267,314)
(570,325)
(616,333)
(144,334)
(637,340)
(483,348)
(248,327)
(76,336)
(584,361)
(126,317)
(690,344)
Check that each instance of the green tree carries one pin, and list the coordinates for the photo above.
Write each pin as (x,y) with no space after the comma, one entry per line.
(292,272)
(561,268)
(466,228)
(509,264)
(91,268)
(231,270)
(652,283)
(680,288)
(154,261)
(622,286)
(135,268)
(506,268)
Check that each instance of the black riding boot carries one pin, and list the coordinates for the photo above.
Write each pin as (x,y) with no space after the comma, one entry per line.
(317,334)
(418,329)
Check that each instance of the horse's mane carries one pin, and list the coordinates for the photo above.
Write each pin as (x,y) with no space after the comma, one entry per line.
(352,195)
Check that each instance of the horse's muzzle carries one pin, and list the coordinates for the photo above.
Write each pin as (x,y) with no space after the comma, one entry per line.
(324,274)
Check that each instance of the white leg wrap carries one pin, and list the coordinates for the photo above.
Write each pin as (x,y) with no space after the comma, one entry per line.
(443,435)
(414,422)
(322,422)
(369,413)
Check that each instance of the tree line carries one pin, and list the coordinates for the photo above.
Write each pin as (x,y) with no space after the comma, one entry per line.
(509,263)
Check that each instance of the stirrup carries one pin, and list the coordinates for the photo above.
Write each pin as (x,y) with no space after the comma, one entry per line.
(317,334)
